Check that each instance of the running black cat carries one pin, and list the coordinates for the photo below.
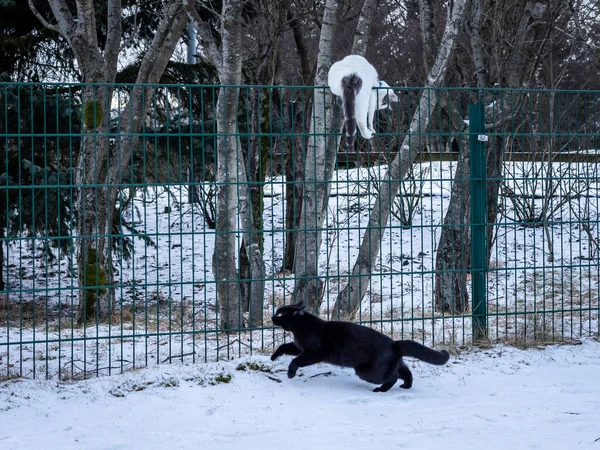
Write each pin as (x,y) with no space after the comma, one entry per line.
(375,357)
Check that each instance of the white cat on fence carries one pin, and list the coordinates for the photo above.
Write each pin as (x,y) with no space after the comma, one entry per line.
(353,79)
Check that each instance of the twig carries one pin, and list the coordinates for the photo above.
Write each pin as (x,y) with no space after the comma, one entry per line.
(277,380)
(41,18)
(325,374)
(227,345)
(169,358)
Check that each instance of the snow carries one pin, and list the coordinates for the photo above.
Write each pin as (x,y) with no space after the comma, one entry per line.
(503,397)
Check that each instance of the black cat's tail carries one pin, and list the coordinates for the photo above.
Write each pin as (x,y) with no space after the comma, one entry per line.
(419,351)
(351,84)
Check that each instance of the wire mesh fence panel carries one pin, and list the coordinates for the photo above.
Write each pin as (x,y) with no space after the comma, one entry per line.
(133,237)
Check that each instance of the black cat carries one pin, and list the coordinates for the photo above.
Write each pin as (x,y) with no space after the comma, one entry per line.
(375,357)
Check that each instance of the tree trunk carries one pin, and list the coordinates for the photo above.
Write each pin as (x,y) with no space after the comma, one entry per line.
(363,27)
(254,271)
(428,32)
(251,178)
(452,261)
(95,275)
(348,301)
(308,286)
(321,156)
(454,250)
(96,196)
(294,163)
(294,169)
(224,256)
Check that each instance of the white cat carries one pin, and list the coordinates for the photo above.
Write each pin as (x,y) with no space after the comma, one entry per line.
(353,79)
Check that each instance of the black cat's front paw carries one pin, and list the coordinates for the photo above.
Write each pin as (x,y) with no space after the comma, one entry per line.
(292,371)
(275,355)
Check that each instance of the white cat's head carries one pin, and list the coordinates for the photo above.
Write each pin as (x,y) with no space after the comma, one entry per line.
(385,96)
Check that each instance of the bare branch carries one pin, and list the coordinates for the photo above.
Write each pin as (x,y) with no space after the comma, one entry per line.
(361,36)
(476,39)
(301,46)
(428,34)
(135,33)
(151,68)
(86,21)
(113,36)
(163,44)
(508,117)
(578,38)
(41,18)
(176,27)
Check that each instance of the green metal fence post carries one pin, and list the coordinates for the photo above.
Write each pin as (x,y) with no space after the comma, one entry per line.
(477,141)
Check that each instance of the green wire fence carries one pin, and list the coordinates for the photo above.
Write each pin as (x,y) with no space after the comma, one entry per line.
(114,197)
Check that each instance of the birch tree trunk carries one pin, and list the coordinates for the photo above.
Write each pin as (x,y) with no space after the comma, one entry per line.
(95,276)
(308,286)
(262,106)
(363,27)
(228,146)
(452,259)
(253,248)
(231,171)
(348,301)
(321,156)
(428,32)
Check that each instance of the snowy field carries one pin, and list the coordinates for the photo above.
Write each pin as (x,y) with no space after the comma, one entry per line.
(500,398)
(166,309)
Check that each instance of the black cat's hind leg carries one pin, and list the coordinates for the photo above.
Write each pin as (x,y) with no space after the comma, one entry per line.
(405,375)
(374,374)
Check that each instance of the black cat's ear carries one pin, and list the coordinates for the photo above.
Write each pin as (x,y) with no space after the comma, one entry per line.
(299,312)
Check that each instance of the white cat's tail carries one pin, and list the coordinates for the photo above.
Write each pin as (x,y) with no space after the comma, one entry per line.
(351,85)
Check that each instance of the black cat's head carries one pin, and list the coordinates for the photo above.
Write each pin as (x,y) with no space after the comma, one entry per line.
(286,316)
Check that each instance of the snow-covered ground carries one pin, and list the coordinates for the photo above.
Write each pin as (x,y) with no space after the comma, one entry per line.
(499,398)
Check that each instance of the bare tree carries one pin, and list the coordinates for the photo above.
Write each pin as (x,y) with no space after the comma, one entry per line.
(349,298)
(263,67)
(321,155)
(513,57)
(297,117)
(227,58)
(224,254)
(97,174)
(308,285)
